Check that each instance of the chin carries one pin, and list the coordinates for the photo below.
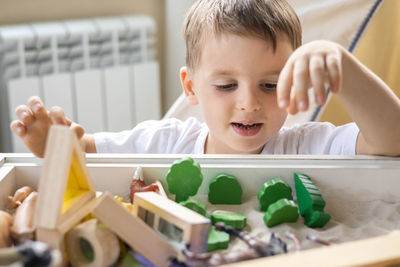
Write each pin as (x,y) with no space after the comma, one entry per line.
(249,149)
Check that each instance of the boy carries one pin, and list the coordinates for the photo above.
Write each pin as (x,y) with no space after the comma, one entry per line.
(246,70)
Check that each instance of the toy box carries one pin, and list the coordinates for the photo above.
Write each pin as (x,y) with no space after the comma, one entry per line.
(370,181)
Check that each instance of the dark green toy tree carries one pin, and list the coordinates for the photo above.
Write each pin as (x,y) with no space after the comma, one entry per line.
(225,189)
(273,191)
(184,178)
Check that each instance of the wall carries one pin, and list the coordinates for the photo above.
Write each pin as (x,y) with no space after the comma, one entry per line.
(174,47)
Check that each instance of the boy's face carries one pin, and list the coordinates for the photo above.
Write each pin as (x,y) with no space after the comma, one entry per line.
(235,85)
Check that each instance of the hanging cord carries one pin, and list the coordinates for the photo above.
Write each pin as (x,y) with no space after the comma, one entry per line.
(353,45)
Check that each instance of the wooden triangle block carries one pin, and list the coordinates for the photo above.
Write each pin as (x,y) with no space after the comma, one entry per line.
(65,183)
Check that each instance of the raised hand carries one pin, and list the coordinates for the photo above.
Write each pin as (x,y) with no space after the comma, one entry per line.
(313,65)
(34,122)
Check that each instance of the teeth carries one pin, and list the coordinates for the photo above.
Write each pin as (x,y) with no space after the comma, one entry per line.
(246,126)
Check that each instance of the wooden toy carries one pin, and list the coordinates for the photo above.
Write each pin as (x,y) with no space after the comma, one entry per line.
(235,220)
(317,219)
(196,206)
(5,225)
(281,211)
(337,175)
(23,228)
(184,178)
(161,190)
(127,205)
(133,230)
(66,192)
(272,191)
(225,189)
(311,204)
(102,245)
(19,196)
(195,227)
(138,185)
(131,259)
(217,240)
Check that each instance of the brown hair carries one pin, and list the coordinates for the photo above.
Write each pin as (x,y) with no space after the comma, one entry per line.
(265,19)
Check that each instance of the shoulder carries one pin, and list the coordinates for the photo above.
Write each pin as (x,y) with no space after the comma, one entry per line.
(315,138)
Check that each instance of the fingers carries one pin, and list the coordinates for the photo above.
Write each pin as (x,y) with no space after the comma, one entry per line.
(333,64)
(18,128)
(300,83)
(309,67)
(285,85)
(57,116)
(78,130)
(36,106)
(24,114)
(317,76)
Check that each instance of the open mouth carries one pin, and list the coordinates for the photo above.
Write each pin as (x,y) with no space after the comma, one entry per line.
(246,129)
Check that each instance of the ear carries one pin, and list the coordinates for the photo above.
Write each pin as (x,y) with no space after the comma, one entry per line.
(187,86)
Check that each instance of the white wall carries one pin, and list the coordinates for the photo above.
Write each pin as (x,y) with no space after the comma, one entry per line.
(175,47)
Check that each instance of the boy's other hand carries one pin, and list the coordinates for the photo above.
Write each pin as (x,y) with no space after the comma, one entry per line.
(312,65)
(34,122)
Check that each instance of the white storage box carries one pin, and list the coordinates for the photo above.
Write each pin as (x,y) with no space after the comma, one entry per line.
(362,181)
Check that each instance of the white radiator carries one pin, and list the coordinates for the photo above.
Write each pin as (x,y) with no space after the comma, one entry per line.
(101,71)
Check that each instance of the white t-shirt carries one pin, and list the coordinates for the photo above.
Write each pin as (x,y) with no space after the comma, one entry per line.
(172,136)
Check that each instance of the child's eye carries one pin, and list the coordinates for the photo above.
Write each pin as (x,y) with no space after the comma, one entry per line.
(226,87)
(268,87)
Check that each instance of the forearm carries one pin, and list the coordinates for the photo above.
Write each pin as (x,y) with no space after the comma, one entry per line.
(373,106)
(88,143)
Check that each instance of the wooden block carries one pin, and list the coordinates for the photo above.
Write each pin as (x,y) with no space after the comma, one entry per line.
(235,220)
(92,245)
(310,201)
(318,219)
(196,206)
(53,237)
(195,227)
(184,178)
(161,190)
(225,189)
(272,191)
(308,195)
(65,184)
(281,211)
(217,240)
(134,231)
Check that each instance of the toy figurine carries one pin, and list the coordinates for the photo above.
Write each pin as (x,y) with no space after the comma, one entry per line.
(274,247)
(30,253)
(22,228)
(5,224)
(257,247)
(138,185)
(184,178)
(19,196)
(225,189)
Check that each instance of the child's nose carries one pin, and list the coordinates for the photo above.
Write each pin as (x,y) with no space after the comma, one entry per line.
(248,101)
